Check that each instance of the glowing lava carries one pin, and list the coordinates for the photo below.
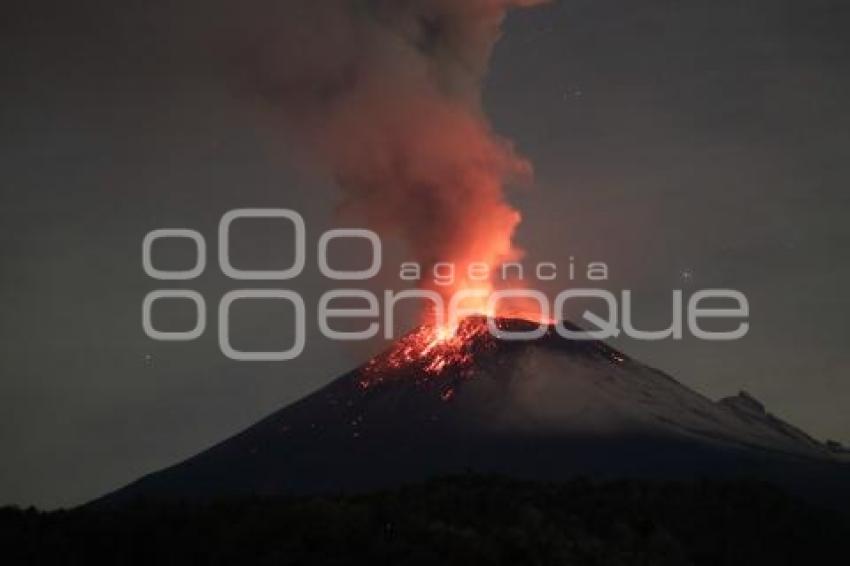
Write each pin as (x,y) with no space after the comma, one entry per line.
(432,351)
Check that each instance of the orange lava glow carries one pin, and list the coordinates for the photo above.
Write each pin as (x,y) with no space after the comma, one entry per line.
(438,348)
(431,350)
(450,341)
(471,300)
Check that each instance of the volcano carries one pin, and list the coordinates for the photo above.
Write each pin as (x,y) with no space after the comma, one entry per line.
(547,409)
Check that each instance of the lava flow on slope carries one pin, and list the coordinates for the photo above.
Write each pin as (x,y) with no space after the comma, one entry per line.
(436,354)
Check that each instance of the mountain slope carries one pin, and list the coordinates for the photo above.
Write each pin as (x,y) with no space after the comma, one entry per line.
(547,409)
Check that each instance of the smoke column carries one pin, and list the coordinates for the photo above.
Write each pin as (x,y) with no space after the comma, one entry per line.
(387,95)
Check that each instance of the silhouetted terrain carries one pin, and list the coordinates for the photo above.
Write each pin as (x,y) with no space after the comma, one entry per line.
(464,520)
(550,409)
(676,478)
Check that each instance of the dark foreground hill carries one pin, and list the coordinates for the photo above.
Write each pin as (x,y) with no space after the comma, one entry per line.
(464,520)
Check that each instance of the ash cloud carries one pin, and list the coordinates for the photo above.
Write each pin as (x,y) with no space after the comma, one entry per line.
(386,94)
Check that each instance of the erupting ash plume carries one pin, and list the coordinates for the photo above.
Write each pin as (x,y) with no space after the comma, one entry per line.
(387,95)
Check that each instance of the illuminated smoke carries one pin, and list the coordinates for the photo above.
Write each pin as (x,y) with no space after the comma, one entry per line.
(387,95)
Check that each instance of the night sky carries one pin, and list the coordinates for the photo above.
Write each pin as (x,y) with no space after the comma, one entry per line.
(688,144)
